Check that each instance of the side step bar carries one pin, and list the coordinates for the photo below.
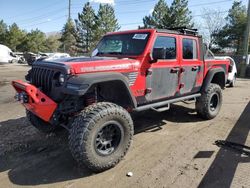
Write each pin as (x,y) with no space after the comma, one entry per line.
(165,103)
(161,109)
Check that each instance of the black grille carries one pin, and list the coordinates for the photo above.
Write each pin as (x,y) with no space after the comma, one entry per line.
(42,78)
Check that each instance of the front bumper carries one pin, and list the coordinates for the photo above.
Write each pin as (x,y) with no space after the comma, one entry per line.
(34,100)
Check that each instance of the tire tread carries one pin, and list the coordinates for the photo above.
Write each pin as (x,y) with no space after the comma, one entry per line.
(82,126)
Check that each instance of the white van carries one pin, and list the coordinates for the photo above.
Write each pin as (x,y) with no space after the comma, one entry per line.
(6,55)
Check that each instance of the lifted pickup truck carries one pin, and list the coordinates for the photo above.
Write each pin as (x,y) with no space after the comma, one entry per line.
(129,71)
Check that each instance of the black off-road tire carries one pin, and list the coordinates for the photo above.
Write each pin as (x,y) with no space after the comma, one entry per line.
(207,105)
(88,124)
(39,124)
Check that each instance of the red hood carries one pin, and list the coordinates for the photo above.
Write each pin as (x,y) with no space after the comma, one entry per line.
(99,64)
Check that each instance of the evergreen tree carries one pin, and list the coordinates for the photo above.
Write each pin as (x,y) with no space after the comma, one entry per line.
(155,20)
(106,21)
(15,37)
(3,32)
(34,42)
(177,15)
(52,43)
(180,15)
(232,34)
(85,27)
(68,38)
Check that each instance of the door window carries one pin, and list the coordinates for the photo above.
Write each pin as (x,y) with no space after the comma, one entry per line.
(189,49)
(168,44)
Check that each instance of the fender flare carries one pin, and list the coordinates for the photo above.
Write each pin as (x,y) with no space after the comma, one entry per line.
(80,84)
(210,75)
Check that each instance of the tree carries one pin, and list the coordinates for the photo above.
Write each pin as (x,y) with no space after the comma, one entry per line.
(213,22)
(231,35)
(3,32)
(156,19)
(68,38)
(180,15)
(35,42)
(105,21)
(177,15)
(15,37)
(85,27)
(53,43)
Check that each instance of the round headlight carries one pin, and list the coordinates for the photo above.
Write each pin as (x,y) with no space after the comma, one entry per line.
(61,79)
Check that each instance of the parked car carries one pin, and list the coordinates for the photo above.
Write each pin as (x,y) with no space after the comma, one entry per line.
(232,73)
(7,56)
(30,57)
(20,56)
(52,56)
(131,71)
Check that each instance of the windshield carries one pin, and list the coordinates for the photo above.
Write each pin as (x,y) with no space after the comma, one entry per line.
(131,44)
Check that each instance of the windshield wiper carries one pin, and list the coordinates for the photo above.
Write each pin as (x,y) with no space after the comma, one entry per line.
(110,53)
(115,53)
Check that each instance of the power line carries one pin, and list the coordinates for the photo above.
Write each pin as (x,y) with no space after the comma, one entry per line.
(34,10)
(55,12)
(150,1)
(221,12)
(194,5)
(34,19)
(210,3)
(47,15)
(54,19)
(198,15)
(126,2)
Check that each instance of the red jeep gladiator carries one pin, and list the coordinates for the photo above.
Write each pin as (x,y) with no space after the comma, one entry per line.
(129,71)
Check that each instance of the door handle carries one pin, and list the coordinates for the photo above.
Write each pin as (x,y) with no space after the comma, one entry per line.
(195,68)
(175,70)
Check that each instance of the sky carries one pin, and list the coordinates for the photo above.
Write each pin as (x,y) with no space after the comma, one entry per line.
(51,15)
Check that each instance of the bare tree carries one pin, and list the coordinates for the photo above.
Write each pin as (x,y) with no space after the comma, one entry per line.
(213,22)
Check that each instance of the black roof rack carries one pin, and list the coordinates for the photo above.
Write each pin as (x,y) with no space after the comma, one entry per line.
(180,30)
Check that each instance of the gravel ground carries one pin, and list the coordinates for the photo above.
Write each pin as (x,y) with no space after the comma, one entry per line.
(170,149)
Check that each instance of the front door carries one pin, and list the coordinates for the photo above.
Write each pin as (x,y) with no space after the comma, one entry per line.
(163,75)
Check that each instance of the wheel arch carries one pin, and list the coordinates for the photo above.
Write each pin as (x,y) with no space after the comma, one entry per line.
(216,76)
(115,91)
(113,85)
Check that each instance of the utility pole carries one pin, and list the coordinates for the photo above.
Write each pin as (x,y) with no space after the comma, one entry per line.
(69,16)
(246,43)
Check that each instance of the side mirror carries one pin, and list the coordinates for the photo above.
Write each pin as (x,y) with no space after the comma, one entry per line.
(158,53)
(94,53)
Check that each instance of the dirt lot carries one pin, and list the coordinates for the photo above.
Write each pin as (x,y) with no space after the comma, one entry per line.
(170,149)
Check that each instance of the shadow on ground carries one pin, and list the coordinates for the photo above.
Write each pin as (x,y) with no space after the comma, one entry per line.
(224,166)
(46,159)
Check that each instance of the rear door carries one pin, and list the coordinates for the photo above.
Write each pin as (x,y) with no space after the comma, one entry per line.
(191,66)
(163,75)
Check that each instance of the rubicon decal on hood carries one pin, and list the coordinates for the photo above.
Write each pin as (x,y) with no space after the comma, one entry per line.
(106,68)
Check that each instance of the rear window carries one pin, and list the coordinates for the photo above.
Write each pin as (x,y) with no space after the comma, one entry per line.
(189,49)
